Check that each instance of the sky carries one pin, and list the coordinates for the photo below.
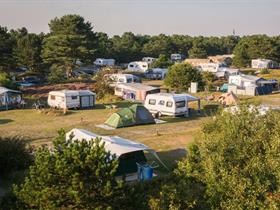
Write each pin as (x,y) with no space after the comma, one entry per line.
(114,17)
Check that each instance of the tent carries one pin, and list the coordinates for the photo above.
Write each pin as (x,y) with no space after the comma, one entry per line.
(9,98)
(128,152)
(228,99)
(134,115)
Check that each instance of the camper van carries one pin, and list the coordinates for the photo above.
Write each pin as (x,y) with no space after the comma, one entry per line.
(139,66)
(104,62)
(169,104)
(122,78)
(71,99)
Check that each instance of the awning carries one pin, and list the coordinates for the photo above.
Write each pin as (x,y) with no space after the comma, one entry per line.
(114,144)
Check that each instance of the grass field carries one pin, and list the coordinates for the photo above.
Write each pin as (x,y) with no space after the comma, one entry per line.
(168,139)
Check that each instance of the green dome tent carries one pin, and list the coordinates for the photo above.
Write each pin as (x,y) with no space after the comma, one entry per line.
(134,115)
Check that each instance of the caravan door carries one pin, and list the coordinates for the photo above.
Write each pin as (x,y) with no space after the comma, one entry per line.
(85,101)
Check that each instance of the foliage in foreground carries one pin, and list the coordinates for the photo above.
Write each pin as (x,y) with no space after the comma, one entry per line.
(75,175)
(14,155)
(237,158)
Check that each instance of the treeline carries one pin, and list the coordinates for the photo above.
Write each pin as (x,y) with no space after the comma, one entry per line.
(71,38)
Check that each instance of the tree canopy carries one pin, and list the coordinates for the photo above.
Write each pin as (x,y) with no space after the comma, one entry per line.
(74,175)
(70,39)
(180,76)
(237,157)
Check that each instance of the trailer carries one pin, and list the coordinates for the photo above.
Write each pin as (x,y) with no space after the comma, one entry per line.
(170,104)
(71,99)
(104,62)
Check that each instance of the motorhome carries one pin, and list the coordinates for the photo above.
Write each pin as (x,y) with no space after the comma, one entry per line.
(138,66)
(71,99)
(169,104)
(121,78)
(104,62)
(134,91)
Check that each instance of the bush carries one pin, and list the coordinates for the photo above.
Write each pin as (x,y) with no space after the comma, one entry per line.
(14,155)
(264,71)
(6,81)
(181,75)
(57,74)
(102,86)
(74,175)
(237,158)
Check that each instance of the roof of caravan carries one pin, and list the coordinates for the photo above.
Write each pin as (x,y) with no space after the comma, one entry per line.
(175,96)
(122,75)
(86,93)
(136,86)
(115,144)
(139,62)
(5,90)
(247,77)
(71,92)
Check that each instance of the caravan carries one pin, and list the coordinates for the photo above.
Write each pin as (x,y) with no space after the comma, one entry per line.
(170,104)
(71,99)
(115,79)
(104,62)
(149,60)
(134,91)
(139,66)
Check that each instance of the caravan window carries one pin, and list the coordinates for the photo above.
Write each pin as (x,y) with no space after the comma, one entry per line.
(161,102)
(180,104)
(74,97)
(129,80)
(52,97)
(152,101)
(131,66)
(169,104)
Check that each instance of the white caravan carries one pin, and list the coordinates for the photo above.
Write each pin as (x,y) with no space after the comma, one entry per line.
(169,104)
(149,60)
(122,78)
(139,66)
(264,63)
(104,62)
(71,99)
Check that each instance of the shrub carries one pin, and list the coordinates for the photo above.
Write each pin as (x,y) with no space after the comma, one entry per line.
(264,71)
(14,154)
(237,158)
(74,175)
(181,75)
(57,74)
(6,81)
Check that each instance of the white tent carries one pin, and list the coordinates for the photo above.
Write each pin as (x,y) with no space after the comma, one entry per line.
(114,144)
